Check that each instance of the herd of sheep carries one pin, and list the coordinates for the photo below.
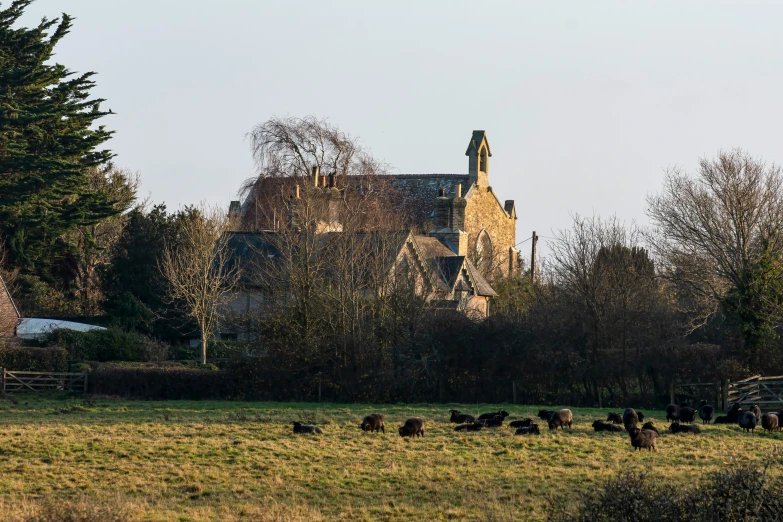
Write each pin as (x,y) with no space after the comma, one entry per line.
(645,437)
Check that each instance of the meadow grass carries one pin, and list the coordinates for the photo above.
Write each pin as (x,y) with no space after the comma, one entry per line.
(240,460)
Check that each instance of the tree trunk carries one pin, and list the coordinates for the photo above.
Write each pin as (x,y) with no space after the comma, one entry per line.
(203,348)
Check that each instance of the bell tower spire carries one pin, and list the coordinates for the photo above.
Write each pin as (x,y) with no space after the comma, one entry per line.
(478,154)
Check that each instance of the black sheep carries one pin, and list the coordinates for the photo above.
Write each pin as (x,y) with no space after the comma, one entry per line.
(630,418)
(501,413)
(494,422)
(606,426)
(672,412)
(769,421)
(545,414)
(676,427)
(459,418)
(469,427)
(747,421)
(734,413)
(722,419)
(687,414)
(756,411)
(528,430)
(640,415)
(305,428)
(706,412)
(521,423)
(615,418)
(561,419)
(642,439)
(373,422)
(650,426)
(412,427)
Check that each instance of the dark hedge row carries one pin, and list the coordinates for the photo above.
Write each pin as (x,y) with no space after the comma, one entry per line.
(27,359)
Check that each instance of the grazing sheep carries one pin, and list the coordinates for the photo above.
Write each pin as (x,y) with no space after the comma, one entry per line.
(615,418)
(305,428)
(520,423)
(734,413)
(528,430)
(459,418)
(640,415)
(676,427)
(630,418)
(561,419)
(606,426)
(769,421)
(545,414)
(642,439)
(687,414)
(650,426)
(373,422)
(494,422)
(722,419)
(706,412)
(412,427)
(756,411)
(672,412)
(501,413)
(469,427)
(747,421)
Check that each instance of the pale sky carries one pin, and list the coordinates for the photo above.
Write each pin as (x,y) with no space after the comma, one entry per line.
(585,103)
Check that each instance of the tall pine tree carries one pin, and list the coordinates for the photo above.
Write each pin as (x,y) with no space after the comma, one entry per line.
(48,142)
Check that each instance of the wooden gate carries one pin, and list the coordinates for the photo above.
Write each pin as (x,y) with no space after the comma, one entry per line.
(43,381)
(767,392)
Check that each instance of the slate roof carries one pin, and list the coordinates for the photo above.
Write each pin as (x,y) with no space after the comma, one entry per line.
(419,191)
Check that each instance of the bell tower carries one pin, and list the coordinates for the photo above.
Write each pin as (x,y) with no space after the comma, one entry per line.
(478,154)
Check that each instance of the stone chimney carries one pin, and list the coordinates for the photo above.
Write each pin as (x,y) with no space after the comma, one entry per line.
(450,222)
(295,209)
(442,211)
(234,210)
(315,176)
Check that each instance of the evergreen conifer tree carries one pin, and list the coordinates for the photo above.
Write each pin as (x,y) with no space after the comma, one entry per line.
(48,142)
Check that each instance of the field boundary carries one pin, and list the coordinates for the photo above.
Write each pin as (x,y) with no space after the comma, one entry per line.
(17,381)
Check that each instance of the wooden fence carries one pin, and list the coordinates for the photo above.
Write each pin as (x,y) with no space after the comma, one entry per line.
(715,393)
(43,381)
(767,392)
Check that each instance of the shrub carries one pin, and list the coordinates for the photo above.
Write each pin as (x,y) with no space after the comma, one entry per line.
(34,359)
(163,382)
(112,344)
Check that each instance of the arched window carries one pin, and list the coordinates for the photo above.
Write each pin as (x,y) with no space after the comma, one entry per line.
(483,160)
(484,252)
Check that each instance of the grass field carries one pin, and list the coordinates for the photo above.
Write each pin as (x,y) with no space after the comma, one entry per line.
(239,460)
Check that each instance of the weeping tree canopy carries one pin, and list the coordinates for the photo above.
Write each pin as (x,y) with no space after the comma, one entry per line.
(49,141)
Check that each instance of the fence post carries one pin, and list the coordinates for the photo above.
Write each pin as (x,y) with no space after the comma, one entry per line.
(719,396)
(725,394)
(671,392)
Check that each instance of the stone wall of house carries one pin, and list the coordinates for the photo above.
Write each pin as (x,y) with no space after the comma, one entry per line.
(484,212)
(8,314)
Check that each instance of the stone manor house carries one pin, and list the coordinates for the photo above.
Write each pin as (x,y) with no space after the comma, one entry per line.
(459,235)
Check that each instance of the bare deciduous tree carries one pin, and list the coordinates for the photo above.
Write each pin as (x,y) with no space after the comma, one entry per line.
(719,237)
(201,273)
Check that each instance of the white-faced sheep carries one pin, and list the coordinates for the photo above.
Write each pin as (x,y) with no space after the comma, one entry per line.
(500,413)
(615,418)
(770,422)
(521,423)
(706,412)
(528,430)
(687,414)
(672,413)
(459,417)
(473,426)
(373,422)
(606,426)
(747,421)
(676,427)
(306,428)
(561,419)
(643,439)
(413,427)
